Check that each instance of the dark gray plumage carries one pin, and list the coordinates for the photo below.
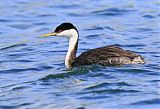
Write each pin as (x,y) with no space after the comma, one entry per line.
(108,55)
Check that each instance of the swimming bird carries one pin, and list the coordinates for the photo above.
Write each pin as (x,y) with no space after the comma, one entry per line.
(106,56)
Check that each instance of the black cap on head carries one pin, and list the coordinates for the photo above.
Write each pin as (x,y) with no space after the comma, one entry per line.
(65,26)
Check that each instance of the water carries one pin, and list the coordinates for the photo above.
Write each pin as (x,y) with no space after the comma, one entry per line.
(32,71)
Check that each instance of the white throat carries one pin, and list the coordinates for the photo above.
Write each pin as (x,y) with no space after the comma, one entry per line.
(73,41)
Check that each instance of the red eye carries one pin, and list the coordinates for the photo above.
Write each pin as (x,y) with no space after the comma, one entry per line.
(60,31)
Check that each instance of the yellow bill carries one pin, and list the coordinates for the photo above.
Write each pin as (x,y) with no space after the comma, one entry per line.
(49,34)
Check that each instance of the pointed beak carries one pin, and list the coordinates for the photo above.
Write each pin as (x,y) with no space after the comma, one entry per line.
(49,34)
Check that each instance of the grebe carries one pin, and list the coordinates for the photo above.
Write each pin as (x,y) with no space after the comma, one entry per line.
(108,55)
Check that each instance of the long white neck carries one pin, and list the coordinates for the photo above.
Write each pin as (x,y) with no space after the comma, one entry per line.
(72,49)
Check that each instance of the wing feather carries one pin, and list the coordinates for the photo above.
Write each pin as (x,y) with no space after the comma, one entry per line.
(105,55)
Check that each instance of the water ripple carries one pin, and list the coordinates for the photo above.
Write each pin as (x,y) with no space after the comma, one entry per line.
(95,28)
(12,46)
(149,16)
(4,20)
(147,102)
(21,26)
(19,70)
(108,84)
(111,91)
(112,12)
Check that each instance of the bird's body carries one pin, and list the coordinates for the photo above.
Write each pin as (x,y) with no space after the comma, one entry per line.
(106,56)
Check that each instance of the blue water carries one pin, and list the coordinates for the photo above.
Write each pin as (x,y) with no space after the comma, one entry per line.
(32,71)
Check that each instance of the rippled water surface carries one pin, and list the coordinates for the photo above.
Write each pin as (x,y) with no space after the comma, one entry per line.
(32,71)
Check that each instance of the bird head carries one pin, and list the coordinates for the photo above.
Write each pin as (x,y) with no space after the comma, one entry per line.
(64,30)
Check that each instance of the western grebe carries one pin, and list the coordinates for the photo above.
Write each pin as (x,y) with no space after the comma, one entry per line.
(108,55)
